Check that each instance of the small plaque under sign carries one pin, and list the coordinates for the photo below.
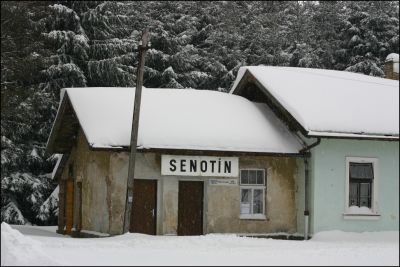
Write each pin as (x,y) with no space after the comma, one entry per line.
(223,181)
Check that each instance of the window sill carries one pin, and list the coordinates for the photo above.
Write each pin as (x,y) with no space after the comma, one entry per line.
(360,216)
(253,217)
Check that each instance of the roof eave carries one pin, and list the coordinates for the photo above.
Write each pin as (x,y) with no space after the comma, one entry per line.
(185,151)
(358,136)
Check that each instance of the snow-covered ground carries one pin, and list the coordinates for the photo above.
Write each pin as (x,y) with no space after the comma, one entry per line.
(35,245)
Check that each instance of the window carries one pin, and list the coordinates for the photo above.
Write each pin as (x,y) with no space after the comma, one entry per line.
(361,186)
(361,176)
(252,194)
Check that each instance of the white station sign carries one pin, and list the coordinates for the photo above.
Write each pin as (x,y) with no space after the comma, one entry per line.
(199,166)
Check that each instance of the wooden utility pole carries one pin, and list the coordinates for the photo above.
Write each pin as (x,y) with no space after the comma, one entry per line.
(135,126)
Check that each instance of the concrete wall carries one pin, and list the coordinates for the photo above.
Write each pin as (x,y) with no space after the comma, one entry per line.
(300,195)
(102,188)
(104,175)
(328,181)
(223,202)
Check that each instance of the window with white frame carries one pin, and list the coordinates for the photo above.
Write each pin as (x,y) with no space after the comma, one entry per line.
(252,194)
(361,185)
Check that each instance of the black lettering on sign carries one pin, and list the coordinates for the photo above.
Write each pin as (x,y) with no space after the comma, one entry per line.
(212,164)
(203,166)
(193,165)
(228,167)
(172,164)
(183,165)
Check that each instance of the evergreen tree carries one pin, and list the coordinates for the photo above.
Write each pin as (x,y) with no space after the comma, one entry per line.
(25,123)
(369,35)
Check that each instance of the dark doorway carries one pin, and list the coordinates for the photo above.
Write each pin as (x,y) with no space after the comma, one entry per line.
(190,208)
(144,206)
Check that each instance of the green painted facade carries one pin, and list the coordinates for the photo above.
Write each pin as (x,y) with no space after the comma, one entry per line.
(328,184)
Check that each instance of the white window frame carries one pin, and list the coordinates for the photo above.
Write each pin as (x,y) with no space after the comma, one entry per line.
(257,216)
(374,214)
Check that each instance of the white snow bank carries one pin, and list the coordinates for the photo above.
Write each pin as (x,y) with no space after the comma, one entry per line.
(325,248)
(340,236)
(180,119)
(18,249)
(328,102)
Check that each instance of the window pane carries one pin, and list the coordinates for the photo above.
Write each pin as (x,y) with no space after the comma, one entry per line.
(258,201)
(244,176)
(353,198)
(364,202)
(364,190)
(365,195)
(245,201)
(260,177)
(252,177)
(361,170)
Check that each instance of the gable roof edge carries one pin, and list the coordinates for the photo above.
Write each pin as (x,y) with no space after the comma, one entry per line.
(56,126)
(57,123)
(248,76)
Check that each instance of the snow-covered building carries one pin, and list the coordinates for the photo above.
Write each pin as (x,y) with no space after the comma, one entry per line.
(392,66)
(193,147)
(287,150)
(351,124)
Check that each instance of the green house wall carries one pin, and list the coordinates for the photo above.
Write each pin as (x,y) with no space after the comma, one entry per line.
(328,184)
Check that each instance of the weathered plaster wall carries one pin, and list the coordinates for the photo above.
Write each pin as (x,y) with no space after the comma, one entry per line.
(223,202)
(91,167)
(300,194)
(170,206)
(102,190)
(118,178)
(148,166)
(104,177)
(104,174)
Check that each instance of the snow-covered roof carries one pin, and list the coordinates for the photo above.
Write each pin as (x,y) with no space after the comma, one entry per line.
(393,57)
(178,119)
(332,103)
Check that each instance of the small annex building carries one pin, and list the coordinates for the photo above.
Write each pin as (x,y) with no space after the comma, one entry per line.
(288,150)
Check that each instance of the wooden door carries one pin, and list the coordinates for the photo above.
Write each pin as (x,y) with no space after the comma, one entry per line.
(190,208)
(69,206)
(143,215)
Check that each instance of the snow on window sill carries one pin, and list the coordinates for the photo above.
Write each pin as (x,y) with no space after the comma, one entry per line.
(360,216)
(252,217)
(360,213)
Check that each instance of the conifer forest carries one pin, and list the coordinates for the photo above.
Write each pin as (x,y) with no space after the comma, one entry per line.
(49,45)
